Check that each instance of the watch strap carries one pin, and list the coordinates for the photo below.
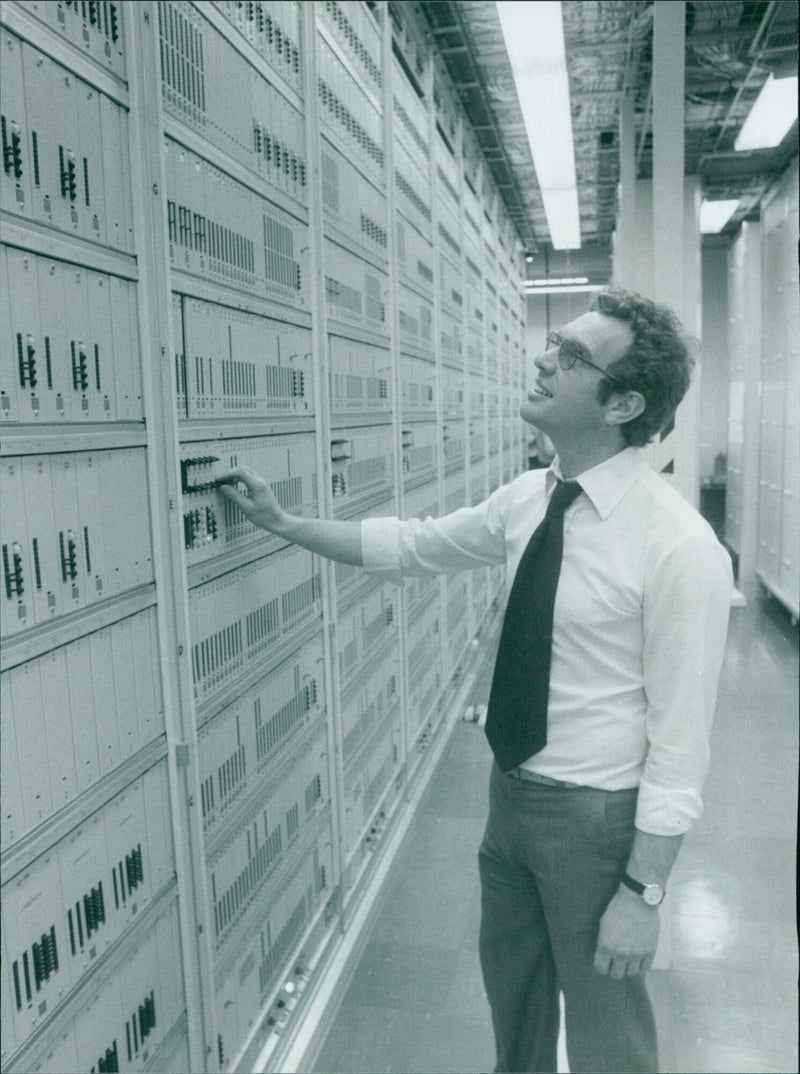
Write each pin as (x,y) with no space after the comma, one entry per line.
(642,889)
(634,885)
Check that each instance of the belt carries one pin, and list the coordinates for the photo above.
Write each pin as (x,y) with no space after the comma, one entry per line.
(534,777)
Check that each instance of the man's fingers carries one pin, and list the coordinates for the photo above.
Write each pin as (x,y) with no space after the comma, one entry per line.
(618,968)
(602,962)
(240,473)
(244,503)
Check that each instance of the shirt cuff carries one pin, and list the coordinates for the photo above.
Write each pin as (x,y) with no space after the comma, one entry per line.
(662,811)
(380,547)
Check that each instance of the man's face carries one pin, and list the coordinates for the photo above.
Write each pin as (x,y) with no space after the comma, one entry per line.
(564,401)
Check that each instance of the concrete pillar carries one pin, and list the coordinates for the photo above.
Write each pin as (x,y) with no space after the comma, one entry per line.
(677,271)
(744,402)
(625,234)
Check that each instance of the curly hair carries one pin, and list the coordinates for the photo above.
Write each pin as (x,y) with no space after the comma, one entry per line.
(658,362)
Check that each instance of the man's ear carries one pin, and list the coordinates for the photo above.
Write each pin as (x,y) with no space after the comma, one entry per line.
(623,407)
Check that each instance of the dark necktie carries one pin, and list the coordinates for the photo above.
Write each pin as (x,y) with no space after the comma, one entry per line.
(516,721)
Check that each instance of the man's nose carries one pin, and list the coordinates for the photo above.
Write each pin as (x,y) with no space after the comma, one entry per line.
(546,359)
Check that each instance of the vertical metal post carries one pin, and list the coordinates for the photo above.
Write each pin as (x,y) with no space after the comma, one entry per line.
(321,368)
(148,187)
(393,319)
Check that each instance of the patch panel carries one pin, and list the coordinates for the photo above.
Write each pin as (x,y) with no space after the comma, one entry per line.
(451,338)
(445,105)
(447,228)
(374,770)
(212,234)
(454,448)
(73,715)
(266,835)
(480,594)
(353,209)
(477,442)
(355,291)
(349,118)
(94,28)
(418,387)
(72,143)
(273,29)
(257,730)
(424,661)
(476,395)
(447,188)
(453,393)
(361,468)
(455,491)
(365,703)
(15,181)
(70,343)
(360,377)
(420,446)
(69,541)
(73,902)
(213,525)
(418,593)
(122,1025)
(236,364)
(495,469)
(253,613)
(355,30)
(412,190)
(278,140)
(261,986)
(365,629)
(410,113)
(201,71)
(415,315)
(456,619)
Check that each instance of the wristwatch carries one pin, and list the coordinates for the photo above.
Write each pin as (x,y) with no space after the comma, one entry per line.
(653,894)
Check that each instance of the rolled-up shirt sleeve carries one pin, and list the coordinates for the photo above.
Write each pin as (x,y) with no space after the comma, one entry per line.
(466,539)
(685,621)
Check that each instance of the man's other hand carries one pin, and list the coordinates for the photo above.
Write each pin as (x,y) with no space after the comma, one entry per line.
(628,936)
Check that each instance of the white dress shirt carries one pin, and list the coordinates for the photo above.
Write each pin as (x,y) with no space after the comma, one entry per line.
(639,623)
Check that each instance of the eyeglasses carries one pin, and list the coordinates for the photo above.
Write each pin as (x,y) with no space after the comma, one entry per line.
(570,352)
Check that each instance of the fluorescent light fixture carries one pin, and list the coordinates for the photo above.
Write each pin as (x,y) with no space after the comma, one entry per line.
(564,288)
(534,36)
(773,113)
(714,215)
(554,281)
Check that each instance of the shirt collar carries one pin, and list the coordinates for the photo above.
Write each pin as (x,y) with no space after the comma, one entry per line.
(606,483)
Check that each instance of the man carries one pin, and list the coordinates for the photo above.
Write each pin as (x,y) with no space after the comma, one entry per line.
(604,687)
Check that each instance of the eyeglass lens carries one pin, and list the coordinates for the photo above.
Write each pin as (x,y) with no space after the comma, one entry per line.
(568,352)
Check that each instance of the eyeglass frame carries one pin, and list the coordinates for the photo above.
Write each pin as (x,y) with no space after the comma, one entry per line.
(555,339)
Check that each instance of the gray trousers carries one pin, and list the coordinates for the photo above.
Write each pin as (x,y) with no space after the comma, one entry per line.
(550,861)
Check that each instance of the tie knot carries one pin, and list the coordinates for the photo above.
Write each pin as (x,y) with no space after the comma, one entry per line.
(563,495)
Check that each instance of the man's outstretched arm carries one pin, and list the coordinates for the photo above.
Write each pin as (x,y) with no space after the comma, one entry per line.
(334,540)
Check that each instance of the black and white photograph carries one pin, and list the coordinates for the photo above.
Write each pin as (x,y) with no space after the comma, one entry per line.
(400,524)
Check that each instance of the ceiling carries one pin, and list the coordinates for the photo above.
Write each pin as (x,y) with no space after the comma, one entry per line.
(731,47)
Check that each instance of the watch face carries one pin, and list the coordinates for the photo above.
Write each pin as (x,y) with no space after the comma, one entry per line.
(652,894)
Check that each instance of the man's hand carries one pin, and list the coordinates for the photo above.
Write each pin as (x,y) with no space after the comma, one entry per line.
(260,505)
(628,936)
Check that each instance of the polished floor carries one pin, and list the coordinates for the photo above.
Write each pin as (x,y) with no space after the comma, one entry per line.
(724,983)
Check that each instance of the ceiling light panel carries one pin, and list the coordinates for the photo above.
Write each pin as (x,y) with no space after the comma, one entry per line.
(534,36)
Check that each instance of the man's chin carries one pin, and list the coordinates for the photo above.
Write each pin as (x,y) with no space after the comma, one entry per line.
(528,414)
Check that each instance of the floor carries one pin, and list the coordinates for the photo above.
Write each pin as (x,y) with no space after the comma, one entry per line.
(724,982)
